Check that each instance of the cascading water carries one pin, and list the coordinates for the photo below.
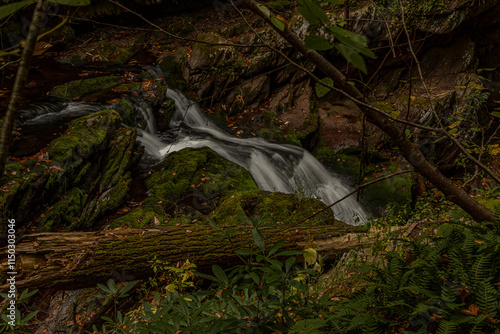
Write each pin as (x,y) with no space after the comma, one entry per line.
(274,167)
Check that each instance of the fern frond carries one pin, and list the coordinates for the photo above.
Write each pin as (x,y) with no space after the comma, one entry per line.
(308,326)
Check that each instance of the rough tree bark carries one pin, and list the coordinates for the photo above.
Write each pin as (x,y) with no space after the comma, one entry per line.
(83,259)
(410,151)
(21,77)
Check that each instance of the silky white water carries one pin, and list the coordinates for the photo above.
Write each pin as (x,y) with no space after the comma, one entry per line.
(274,167)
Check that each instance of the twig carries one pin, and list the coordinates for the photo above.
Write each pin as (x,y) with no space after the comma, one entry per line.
(10,63)
(111,25)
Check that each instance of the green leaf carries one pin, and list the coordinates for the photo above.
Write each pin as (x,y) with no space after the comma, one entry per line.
(112,286)
(258,239)
(14,7)
(264,10)
(127,287)
(273,278)
(310,256)
(255,278)
(103,287)
(495,114)
(72,2)
(220,274)
(289,263)
(217,325)
(277,23)
(352,57)
(316,42)
(312,12)
(352,40)
(245,252)
(289,253)
(276,246)
(9,53)
(322,90)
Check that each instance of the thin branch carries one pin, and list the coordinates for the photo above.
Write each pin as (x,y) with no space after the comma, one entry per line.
(110,25)
(10,63)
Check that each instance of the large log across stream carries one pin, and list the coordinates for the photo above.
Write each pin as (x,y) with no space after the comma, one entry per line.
(82,259)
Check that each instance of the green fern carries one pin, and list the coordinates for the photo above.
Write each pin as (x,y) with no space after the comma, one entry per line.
(309,326)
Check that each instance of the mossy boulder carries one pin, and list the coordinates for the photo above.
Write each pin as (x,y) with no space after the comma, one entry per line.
(85,136)
(187,180)
(16,181)
(65,212)
(81,176)
(78,88)
(171,66)
(127,111)
(489,202)
(190,168)
(395,190)
(110,182)
(198,186)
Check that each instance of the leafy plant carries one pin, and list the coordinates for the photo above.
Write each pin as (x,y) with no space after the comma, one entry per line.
(19,321)
(267,293)
(444,285)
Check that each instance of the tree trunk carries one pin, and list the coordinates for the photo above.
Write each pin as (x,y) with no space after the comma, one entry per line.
(20,81)
(410,151)
(82,259)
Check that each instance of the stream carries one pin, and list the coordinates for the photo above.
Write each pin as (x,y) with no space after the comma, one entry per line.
(274,167)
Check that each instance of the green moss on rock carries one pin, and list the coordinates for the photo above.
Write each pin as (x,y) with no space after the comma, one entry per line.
(279,136)
(198,186)
(127,112)
(341,163)
(78,88)
(171,66)
(66,212)
(85,136)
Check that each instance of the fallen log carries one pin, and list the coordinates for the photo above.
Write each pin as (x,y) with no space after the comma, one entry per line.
(83,259)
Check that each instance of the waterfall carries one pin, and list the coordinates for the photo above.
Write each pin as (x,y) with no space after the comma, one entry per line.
(274,167)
